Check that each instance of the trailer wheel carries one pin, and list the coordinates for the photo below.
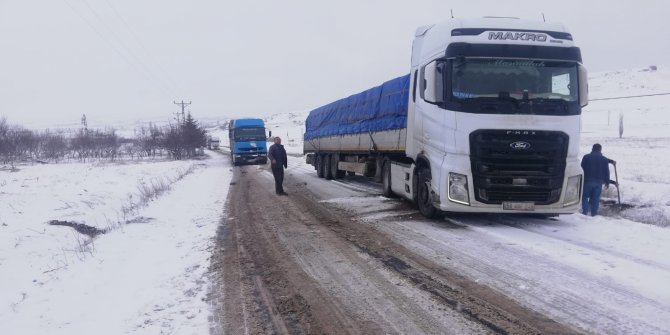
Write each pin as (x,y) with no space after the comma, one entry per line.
(386,178)
(318,165)
(351,173)
(327,167)
(423,194)
(337,174)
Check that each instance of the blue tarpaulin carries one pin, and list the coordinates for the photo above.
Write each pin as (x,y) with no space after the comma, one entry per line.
(380,108)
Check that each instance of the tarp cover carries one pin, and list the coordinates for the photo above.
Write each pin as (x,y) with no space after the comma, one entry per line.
(380,108)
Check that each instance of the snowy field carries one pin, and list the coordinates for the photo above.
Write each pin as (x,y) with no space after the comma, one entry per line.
(643,152)
(147,272)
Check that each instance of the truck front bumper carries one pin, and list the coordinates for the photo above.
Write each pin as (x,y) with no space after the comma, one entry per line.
(250,159)
(461,166)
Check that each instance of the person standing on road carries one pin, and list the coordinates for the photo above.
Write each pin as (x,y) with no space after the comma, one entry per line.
(596,173)
(278,161)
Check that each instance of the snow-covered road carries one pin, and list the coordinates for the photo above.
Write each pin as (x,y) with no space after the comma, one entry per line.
(599,274)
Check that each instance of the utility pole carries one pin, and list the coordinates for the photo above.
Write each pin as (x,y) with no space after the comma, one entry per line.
(183,107)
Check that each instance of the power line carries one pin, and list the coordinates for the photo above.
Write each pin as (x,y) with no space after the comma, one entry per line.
(100,35)
(631,96)
(126,48)
(111,45)
(139,42)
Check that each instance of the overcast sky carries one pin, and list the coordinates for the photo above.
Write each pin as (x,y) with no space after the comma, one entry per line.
(130,59)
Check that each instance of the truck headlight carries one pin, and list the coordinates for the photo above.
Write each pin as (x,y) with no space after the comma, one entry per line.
(458,188)
(572,190)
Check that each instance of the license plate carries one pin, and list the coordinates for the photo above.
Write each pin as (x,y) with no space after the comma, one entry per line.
(519,206)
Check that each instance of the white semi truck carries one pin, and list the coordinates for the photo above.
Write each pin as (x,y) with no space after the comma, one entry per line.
(488,120)
(213,143)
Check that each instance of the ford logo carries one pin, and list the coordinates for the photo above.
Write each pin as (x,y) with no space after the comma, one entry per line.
(520,145)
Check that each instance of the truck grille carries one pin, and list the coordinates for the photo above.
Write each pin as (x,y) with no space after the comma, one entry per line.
(518,165)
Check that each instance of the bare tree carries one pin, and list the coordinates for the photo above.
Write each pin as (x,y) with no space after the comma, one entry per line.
(4,140)
(109,144)
(173,142)
(150,139)
(52,146)
(83,144)
(12,146)
(26,141)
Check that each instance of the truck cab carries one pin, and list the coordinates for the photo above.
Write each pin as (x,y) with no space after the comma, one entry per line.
(248,141)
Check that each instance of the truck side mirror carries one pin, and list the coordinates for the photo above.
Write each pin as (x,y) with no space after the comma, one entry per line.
(433,80)
(583,86)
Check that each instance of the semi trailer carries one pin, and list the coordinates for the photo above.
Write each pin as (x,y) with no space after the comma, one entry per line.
(487,120)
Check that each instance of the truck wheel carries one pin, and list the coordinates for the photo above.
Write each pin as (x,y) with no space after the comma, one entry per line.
(386,179)
(351,173)
(327,170)
(423,198)
(319,166)
(337,174)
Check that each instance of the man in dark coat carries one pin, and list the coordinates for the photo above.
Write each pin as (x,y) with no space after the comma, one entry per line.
(278,161)
(596,173)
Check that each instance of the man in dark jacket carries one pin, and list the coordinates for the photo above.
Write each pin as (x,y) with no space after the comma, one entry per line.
(596,173)
(278,161)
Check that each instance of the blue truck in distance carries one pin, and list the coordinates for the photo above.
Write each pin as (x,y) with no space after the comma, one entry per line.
(248,142)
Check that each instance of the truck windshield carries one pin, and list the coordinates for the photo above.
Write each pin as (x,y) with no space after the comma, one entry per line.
(249,134)
(520,86)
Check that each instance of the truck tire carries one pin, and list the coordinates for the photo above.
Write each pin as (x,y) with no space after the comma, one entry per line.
(351,173)
(423,199)
(386,179)
(318,165)
(327,170)
(337,174)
